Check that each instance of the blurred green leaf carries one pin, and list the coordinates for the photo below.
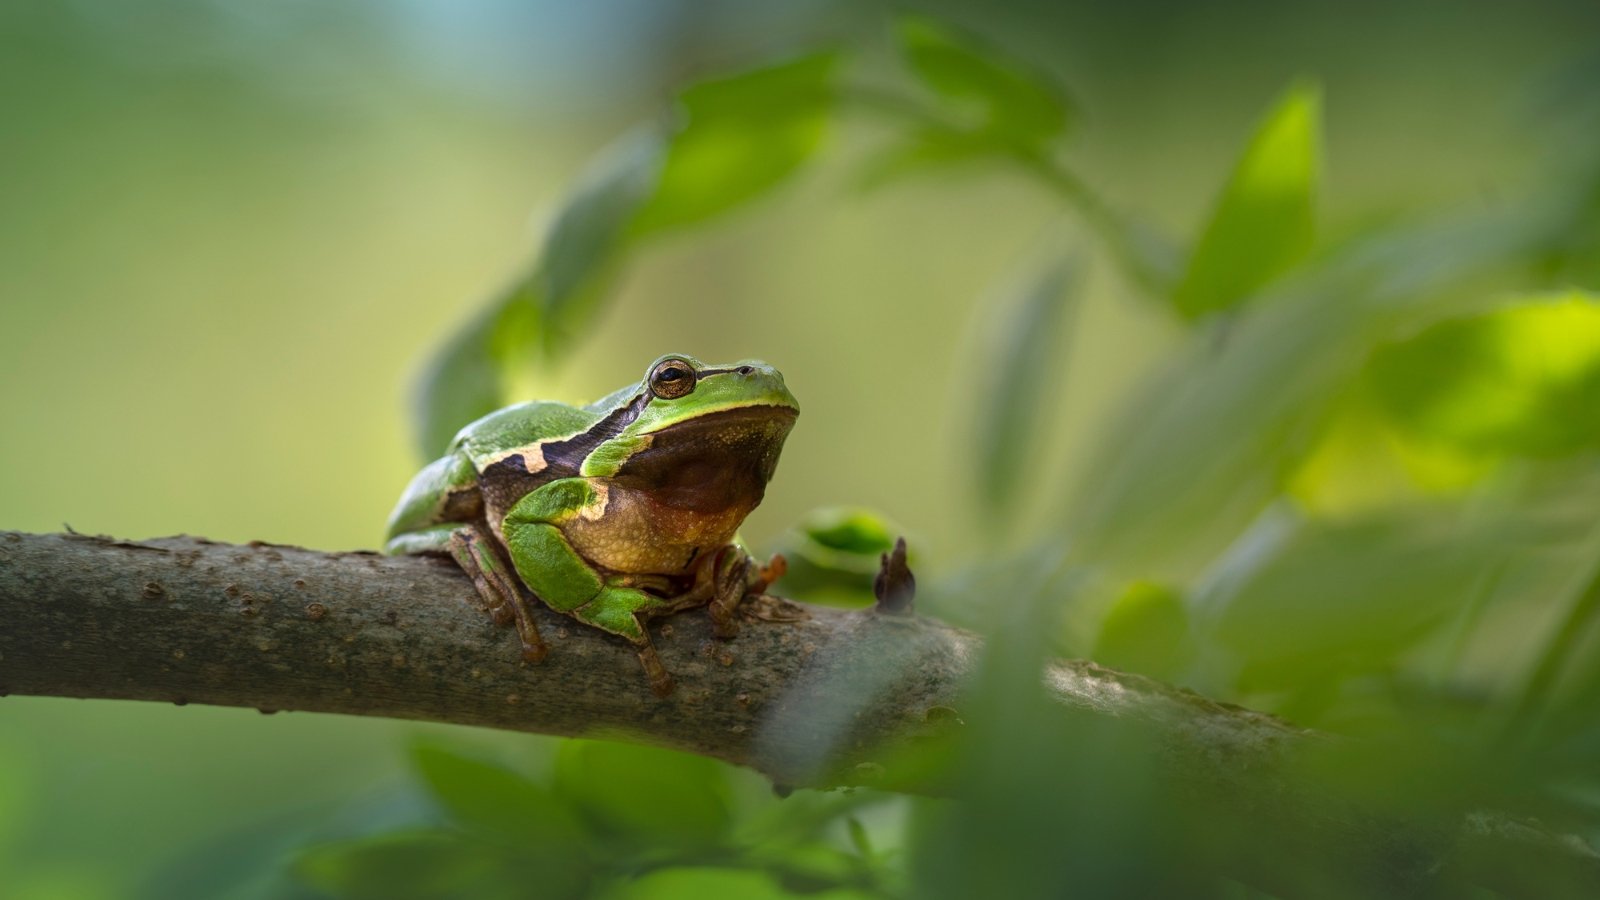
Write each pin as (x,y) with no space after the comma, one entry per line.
(858,837)
(804,816)
(704,883)
(1265,219)
(1007,99)
(740,136)
(1146,631)
(1046,803)
(1020,387)
(849,529)
(589,233)
(1202,447)
(459,383)
(1521,380)
(810,867)
(647,795)
(429,864)
(1347,597)
(499,803)
(924,149)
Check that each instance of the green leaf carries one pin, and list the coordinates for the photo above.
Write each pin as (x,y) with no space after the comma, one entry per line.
(1265,219)
(859,838)
(1204,445)
(849,529)
(655,797)
(1345,598)
(1146,631)
(1020,390)
(586,240)
(1004,97)
(1521,380)
(460,383)
(497,802)
(921,151)
(739,137)
(699,883)
(426,865)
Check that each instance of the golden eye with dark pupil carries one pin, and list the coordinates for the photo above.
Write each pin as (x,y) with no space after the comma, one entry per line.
(672,379)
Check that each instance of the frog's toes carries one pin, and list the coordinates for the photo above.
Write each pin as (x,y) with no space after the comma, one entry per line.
(775,568)
(661,683)
(534,653)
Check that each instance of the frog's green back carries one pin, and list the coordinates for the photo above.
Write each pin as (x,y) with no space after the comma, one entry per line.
(519,426)
(613,400)
(445,491)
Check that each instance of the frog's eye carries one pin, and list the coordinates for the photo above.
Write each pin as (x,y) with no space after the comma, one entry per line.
(671,378)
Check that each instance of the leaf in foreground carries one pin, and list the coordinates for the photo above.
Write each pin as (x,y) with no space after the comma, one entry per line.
(430,864)
(1010,99)
(1520,380)
(1023,387)
(739,137)
(1265,219)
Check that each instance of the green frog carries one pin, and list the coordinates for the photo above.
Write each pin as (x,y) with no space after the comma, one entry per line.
(612,513)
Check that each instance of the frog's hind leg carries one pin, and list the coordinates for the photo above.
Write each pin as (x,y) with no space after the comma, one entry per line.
(567,583)
(623,611)
(505,601)
(499,594)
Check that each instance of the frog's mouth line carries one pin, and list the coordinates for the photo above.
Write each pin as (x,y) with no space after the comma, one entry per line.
(762,416)
(720,458)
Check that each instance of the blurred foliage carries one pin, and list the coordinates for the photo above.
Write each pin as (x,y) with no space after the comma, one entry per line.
(1356,486)
(1265,218)
(1018,393)
(1335,619)
(613,820)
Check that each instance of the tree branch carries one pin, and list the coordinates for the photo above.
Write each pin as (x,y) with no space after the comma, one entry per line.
(806,695)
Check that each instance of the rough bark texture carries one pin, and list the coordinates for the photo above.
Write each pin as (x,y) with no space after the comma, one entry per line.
(806,695)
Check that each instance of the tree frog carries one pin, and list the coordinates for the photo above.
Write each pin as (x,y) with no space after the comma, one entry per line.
(612,513)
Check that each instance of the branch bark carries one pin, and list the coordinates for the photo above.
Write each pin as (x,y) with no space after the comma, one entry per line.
(806,695)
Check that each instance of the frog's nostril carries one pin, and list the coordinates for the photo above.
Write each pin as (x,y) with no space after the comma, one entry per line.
(747,370)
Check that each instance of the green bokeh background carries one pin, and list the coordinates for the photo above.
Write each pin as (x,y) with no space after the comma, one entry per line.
(229,232)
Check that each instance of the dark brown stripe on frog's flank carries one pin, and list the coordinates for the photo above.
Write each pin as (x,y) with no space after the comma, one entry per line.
(507,480)
(568,455)
(461,504)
